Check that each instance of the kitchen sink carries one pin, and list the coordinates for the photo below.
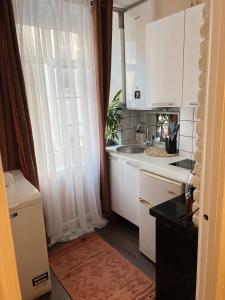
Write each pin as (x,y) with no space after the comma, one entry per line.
(131,149)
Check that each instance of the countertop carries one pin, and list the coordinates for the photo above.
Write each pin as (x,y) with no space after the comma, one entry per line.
(170,212)
(157,165)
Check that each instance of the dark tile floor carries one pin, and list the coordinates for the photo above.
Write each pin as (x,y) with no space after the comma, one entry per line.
(123,236)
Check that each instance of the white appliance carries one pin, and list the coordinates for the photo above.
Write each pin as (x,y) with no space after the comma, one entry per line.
(27,222)
(154,190)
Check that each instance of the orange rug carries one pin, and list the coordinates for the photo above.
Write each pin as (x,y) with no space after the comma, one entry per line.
(90,269)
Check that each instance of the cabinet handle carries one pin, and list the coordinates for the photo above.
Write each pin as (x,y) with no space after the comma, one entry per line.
(112,158)
(163,104)
(145,203)
(161,178)
(137,17)
(13,215)
(193,103)
(132,164)
(171,193)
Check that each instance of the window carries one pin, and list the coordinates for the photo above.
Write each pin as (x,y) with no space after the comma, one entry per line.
(60,60)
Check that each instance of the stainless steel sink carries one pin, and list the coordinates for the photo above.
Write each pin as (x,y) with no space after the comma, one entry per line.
(131,149)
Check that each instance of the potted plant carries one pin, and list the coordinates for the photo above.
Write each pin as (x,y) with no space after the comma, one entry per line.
(113,120)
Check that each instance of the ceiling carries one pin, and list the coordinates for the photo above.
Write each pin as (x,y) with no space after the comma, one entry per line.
(125,3)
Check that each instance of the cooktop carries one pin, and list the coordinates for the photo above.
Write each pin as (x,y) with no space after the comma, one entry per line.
(186,164)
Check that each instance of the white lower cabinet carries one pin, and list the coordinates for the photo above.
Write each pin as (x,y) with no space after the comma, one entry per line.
(115,166)
(147,231)
(124,185)
(154,190)
(130,174)
(133,192)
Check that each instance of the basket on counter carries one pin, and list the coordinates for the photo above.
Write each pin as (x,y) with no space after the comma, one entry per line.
(158,152)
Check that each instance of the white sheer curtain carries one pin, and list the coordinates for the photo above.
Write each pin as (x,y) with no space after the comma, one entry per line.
(56,45)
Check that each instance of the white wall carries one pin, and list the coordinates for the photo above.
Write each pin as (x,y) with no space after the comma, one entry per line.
(188,121)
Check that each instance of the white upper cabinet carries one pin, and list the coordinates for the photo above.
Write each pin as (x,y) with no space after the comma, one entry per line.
(135,20)
(164,61)
(193,24)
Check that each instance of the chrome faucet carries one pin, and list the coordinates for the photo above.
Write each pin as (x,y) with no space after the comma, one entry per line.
(150,143)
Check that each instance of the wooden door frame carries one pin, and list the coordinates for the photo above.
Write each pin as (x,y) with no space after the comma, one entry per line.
(9,282)
(211,247)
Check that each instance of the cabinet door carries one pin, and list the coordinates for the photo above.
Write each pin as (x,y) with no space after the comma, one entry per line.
(130,173)
(135,20)
(116,185)
(29,238)
(193,23)
(164,61)
(146,230)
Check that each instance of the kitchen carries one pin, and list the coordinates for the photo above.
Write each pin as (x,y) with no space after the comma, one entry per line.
(111,199)
(159,69)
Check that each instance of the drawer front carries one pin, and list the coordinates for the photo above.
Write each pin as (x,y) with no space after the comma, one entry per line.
(156,189)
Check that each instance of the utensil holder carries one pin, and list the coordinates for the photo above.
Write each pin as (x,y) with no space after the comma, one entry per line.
(171,145)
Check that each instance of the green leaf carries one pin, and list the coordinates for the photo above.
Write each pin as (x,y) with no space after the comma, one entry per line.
(114,117)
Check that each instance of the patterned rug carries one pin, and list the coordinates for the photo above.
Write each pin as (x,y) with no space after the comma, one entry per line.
(90,269)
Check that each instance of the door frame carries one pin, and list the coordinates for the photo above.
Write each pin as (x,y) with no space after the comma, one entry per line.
(9,281)
(211,245)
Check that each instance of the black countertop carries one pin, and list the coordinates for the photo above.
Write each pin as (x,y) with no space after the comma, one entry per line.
(170,213)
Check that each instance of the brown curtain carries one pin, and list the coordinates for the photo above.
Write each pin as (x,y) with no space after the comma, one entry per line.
(102,23)
(16,141)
